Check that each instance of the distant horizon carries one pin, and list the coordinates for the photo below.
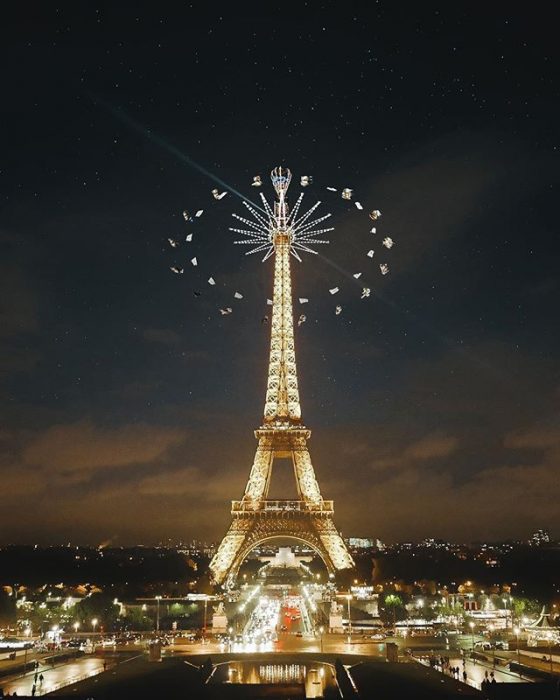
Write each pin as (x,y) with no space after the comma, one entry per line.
(210,543)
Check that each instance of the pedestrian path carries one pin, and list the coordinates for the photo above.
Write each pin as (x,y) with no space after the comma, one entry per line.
(473,672)
(53,678)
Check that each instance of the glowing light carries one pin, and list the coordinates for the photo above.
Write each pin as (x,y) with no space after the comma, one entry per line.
(300,233)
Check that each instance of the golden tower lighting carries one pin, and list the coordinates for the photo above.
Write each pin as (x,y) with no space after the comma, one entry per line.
(282,434)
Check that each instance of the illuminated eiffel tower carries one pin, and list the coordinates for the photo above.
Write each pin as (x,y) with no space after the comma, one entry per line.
(255,518)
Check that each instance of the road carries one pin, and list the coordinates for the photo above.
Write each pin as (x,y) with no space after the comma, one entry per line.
(541,661)
(272,623)
(477,671)
(288,642)
(21,657)
(53,678)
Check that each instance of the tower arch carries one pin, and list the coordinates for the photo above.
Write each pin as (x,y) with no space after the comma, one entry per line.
(249,547)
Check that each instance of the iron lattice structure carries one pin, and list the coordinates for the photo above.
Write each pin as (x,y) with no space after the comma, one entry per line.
(256,519)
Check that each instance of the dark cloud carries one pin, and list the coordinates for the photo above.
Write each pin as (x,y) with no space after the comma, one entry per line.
(19,320)
(467,478)
(18,303)
(83,446)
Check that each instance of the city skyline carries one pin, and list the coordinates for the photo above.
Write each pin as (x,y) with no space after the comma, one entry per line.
(433,408)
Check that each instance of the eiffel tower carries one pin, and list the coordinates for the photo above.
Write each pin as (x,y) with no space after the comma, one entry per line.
(255,518)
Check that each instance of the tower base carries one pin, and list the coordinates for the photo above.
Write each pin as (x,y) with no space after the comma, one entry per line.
(255,523)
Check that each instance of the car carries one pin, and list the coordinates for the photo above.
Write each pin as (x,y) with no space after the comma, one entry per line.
(299,634)
(14,643)
(378,636)
(108,642)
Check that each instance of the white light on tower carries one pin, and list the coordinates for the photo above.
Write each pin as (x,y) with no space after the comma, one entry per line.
(301,231)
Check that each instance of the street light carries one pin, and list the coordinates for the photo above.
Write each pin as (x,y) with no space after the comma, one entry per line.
(321,630)
(505,602)
(76,626)
(204,628)
(27,633)
(93,626)
(492,644)
(471,625)
(349,598)
(549,637)
(158,598)
(517,631)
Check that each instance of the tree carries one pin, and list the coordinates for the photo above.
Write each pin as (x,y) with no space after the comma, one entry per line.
(427,613)
(100,607)
(7,609)
(454,614)
(522,607)
(43,617)
(137,619)
(392,609)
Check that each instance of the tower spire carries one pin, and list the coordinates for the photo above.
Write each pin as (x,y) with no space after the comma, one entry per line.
(282,393)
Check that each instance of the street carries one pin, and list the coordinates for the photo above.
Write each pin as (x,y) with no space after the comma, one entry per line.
(53,678)
(477,671)
(271,623)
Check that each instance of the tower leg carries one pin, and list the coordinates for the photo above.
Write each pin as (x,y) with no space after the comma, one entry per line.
(307,485)
(229,549)
(333,543)
(259,478)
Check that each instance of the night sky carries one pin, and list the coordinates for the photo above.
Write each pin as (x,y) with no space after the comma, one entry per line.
(128,403)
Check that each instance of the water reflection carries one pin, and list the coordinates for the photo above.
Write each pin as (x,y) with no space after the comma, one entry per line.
(316,678)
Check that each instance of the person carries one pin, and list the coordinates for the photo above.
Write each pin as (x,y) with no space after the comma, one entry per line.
(464,676)
(41,678)
(33,690)
(104,665)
